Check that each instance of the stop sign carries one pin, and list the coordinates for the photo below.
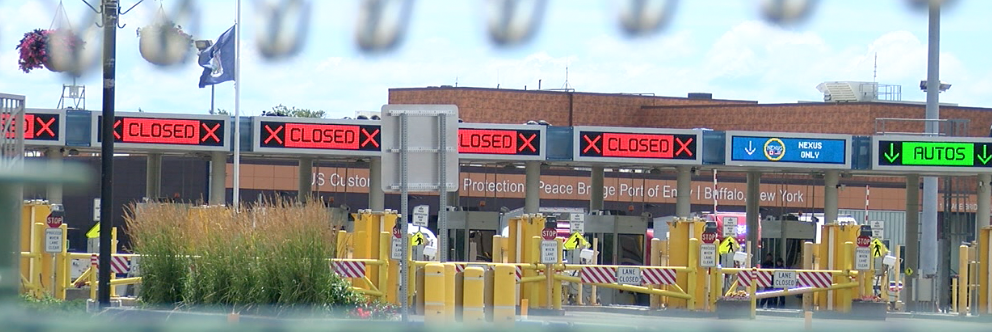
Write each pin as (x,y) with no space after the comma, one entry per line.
(864,241)
(396,232)
(708,237)
(54,221)
(549,233)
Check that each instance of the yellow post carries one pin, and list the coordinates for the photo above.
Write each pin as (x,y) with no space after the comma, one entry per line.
(393,279)
(593,294)
(93,281)
(449,292)
(716,286)
(61,267)
(807,265)
(473,309)
(361,251)
(663,261)
(845,295)
(113,251)
(751,293)
(384,285)
(535,290)
(678,244)
(984,281)
(556,285)
(504,251)
(504,302)
(514,240)
(896,274)
(655,261)
(693,264)
(434,294)
(341,245)
(963,282)
(497,249)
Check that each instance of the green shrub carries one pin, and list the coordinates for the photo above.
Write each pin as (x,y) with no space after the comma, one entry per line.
(274,255)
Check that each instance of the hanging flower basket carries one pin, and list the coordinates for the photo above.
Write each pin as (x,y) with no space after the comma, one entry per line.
(53,49)
(164,43)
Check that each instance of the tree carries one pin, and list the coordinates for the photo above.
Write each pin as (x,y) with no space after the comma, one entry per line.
(282,110)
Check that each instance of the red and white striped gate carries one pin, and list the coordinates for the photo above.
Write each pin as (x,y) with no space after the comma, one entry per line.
(598,275)
(350,269)
(657,276)
(815,279)
(763,278)
(118,264)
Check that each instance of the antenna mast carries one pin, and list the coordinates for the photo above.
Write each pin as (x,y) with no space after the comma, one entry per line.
(566,86)
(874,74)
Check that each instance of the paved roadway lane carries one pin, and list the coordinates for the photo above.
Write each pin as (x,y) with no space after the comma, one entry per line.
(762,323)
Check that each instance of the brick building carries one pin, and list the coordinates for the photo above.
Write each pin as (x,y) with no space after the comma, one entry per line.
(566,108)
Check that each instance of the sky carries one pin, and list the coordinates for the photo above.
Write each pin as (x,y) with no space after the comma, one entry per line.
(719,46)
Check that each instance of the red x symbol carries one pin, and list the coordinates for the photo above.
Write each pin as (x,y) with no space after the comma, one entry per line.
(370,138)
(683,146)
(592,144)
(116,135)
(45,126)
(527,143)
(210,132)
(273,134)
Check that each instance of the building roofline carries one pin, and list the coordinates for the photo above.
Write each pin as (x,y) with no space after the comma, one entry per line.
(552,91)
(823,104)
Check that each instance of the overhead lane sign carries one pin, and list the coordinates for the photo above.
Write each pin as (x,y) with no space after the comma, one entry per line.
(793,150)
(501,142)
(181,132)
(941,154)
(637,145)
(40,127)
(316,136)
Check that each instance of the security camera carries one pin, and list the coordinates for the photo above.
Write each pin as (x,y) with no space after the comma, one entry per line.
(942,86)
(889,260)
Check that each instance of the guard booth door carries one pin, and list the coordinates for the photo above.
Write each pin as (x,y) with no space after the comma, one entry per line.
(620,242)
(470,234)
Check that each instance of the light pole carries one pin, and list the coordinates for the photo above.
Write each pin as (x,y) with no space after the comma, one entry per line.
(202,45)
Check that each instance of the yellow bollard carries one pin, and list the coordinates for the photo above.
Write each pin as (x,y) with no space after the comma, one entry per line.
(513,243)
(846,261)
(556,285)
(434,293)
(449,292)
(61,267)
(954,293)
(504,301)
(473,308)
(341,245)
(361,251)
(384,285)
(655,302)
(807,265)
(497,249)
(962,298)
(693,264)
(534,289)
(751,290)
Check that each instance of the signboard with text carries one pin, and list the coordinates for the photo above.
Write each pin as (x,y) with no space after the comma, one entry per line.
(40,127)
(283,135)
(180,132)
(501,142)
(637,145)
(821,151)
(938,154)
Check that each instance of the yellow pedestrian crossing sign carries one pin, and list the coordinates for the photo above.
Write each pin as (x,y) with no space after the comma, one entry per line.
(94,232)
(576,241)
(729,245)
(878,248)
(418,239)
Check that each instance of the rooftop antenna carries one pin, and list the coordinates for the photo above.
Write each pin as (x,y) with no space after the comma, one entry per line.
(874,75)
(456,81)
(566,86)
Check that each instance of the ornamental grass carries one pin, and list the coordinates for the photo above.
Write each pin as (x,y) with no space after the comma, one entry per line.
(271,258)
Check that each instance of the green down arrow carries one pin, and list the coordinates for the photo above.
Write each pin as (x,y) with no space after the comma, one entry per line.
(892,155)
(985,156)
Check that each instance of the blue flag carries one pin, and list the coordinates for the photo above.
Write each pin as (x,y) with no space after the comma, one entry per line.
(218,60)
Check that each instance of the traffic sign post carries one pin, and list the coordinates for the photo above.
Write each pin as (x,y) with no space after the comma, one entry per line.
(422,161)
(549,252)
(577,227)
(862,258)
(628,275)
(730,227)
(784,279)
(53,240)
(864,241)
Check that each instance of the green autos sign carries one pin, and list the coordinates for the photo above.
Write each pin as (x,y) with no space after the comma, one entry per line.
(932,153)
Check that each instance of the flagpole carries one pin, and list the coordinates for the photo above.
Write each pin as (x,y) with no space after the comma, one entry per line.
(237,109)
